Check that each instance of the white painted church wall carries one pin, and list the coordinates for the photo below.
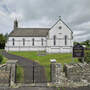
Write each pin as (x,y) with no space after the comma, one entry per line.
(60,46)
(18,44)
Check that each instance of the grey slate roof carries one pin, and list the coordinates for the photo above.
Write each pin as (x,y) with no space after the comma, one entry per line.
(29,32)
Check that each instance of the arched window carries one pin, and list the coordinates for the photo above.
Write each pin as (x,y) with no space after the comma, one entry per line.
(23,42)
(65,39)
(54,40)
(33,42)
(13,41)
(42,41)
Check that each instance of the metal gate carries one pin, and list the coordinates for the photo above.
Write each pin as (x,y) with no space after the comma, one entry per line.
(34,73)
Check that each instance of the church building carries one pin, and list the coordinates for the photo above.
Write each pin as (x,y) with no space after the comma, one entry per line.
(57,39)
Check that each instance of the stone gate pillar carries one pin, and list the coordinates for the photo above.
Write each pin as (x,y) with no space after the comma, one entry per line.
(56,72)
(11,65)
(53,70)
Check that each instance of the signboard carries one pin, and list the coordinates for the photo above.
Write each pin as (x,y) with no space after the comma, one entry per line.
(78,51)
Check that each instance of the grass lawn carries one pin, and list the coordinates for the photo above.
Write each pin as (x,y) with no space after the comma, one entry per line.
(45,60)
(87,51)
(19,74)
(4,59)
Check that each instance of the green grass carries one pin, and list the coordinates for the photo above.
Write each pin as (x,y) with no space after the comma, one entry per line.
(19,74)
(4,60)
(45,60)
(87,51)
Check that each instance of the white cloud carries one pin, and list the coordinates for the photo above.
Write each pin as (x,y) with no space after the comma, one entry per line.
(44,13)
(17,16)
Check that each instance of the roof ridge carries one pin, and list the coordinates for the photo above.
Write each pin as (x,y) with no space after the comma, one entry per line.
(33,28)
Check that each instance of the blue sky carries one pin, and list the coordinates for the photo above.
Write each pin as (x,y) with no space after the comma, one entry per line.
(44,13)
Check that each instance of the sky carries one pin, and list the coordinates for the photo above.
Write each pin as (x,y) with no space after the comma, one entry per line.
(45,13)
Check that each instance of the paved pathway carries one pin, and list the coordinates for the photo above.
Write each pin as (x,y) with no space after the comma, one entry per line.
(46,88)
(39,76)
(29,88)
(80,88)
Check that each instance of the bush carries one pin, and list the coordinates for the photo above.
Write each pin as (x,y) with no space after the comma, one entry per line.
(2,41)
(87,57)
(1,59)
(80,60)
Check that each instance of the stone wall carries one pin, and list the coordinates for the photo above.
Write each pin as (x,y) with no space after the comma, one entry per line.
(7,73)
(4,75)
(78,72)
(70,74)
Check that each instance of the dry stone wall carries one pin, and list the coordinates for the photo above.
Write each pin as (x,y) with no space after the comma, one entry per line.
(7,73)
(4,75)
(70,74)
(78,72)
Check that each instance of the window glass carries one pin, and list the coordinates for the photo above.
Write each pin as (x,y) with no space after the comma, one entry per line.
(33,42)
(42,41)
(54,40)
(65,39)
(23,42)
(13,41)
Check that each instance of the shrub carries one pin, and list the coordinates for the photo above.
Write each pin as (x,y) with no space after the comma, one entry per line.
(1,59)
(80,60)
(87,57)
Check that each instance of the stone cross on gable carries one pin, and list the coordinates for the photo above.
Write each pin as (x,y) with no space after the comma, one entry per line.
(59,17)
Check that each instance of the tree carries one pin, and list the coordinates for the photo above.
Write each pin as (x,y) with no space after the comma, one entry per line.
(75,43)
(2,41)
(87,42)
(6,37)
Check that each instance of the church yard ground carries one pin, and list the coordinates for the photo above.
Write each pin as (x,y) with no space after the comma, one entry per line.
(27,65)
(45,60)
(54,56)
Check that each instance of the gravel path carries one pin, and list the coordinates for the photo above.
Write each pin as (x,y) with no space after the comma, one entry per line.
(29,77)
